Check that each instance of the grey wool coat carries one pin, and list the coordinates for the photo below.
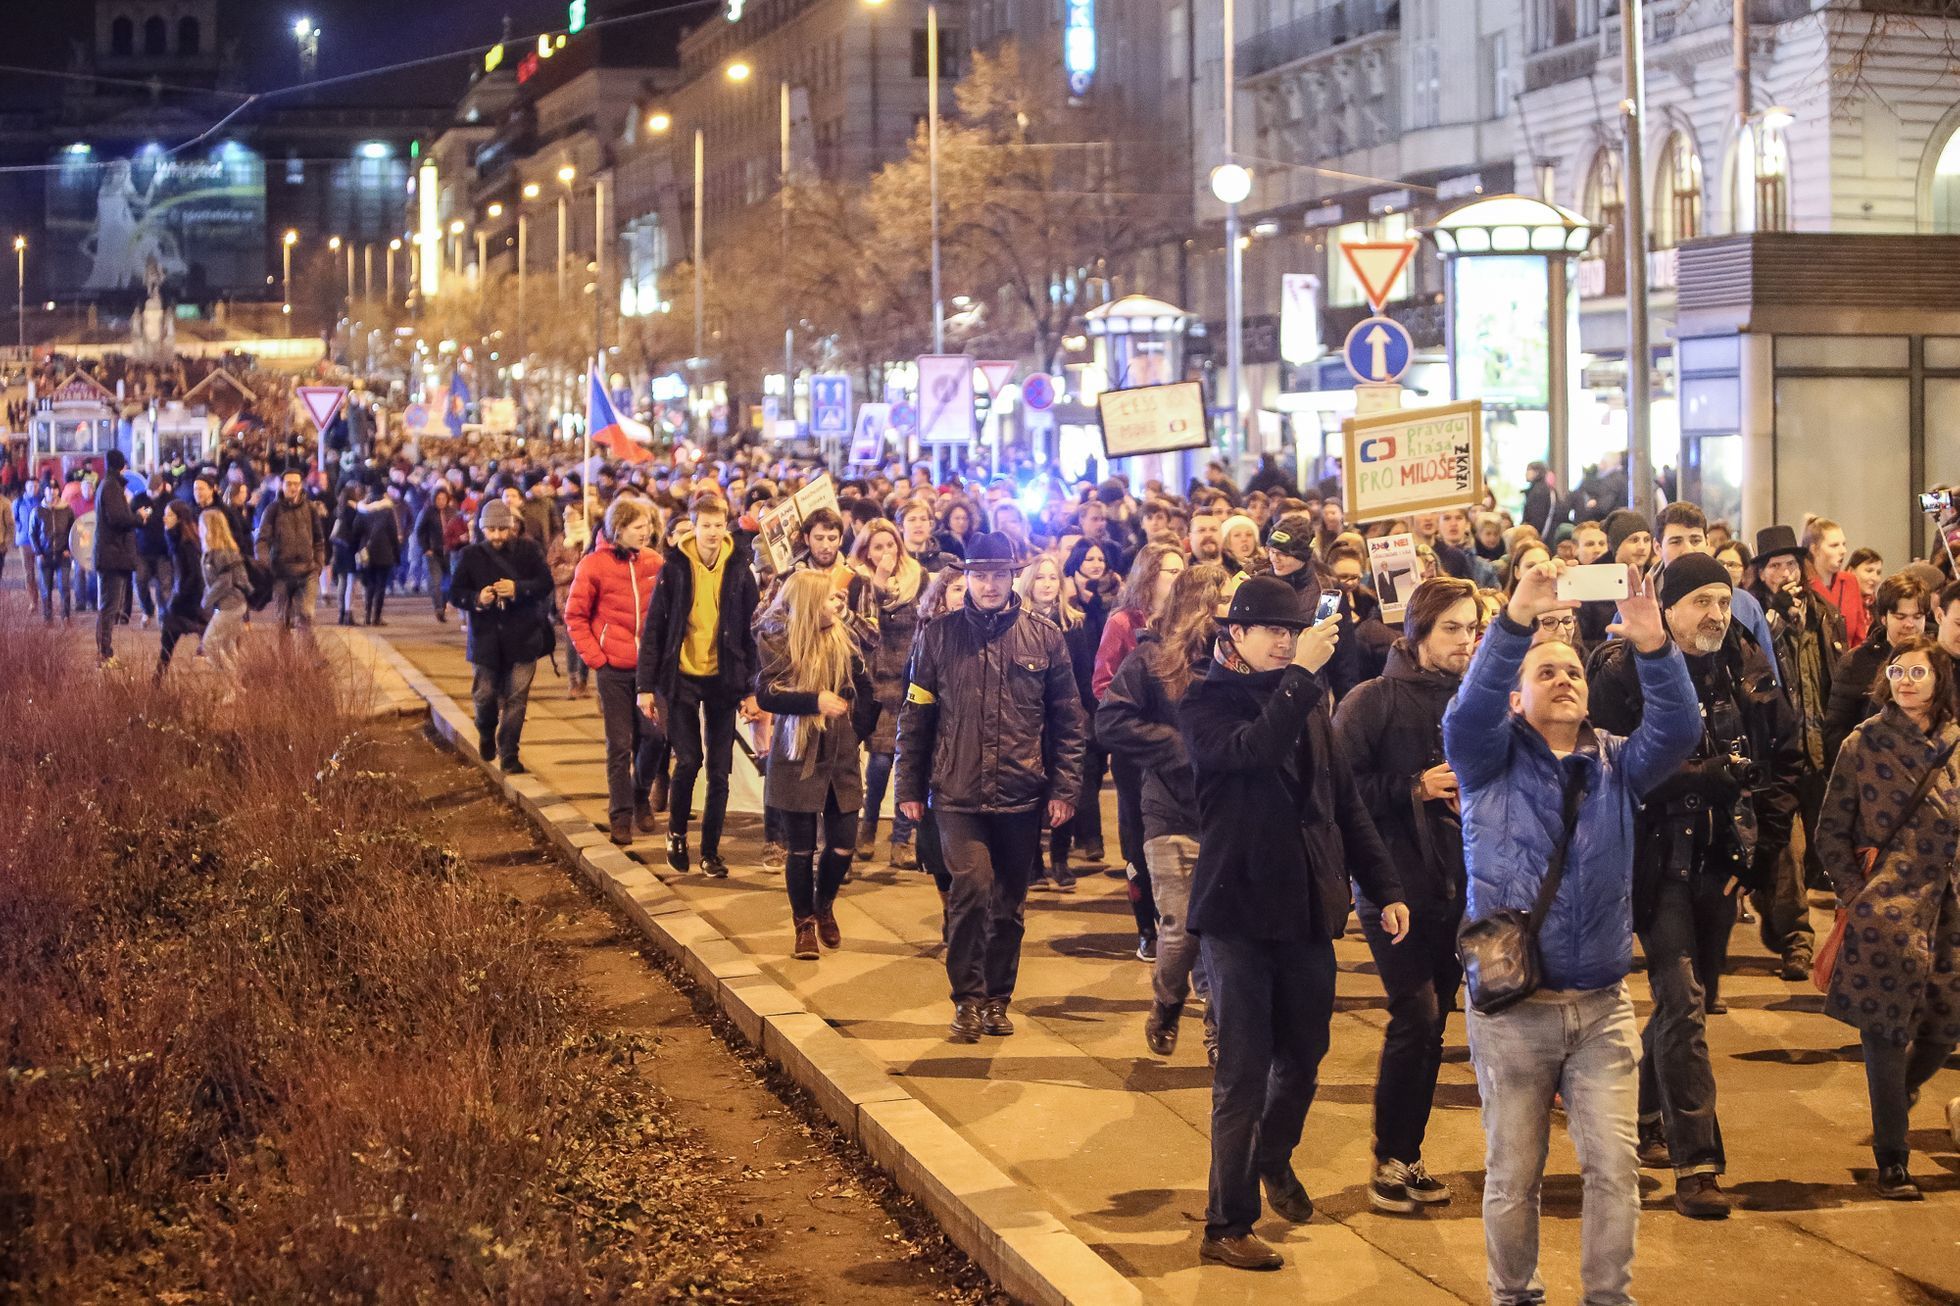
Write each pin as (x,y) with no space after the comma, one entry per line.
(1898,976)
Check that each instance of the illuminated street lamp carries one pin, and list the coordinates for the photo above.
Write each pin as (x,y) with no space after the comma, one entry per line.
(1231,183)
(739,71)
(394,247)
(307,33)
(20,287)
(566,176)
(659,122)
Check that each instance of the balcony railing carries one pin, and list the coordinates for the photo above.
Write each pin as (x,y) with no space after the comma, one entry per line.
(1317,33)
(1565,63)
(1914,8)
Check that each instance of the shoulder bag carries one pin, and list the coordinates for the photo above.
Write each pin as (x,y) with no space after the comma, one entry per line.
(1501,962)
(1825,964)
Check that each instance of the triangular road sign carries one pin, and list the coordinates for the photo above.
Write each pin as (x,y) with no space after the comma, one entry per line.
(1376,265)
(997,373)
(323,402)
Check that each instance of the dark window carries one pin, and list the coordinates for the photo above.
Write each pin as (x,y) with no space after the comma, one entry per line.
(122,37)
(156,36)
(189,36)
(949,52)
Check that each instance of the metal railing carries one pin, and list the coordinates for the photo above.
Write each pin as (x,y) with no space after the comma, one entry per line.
(1317,33)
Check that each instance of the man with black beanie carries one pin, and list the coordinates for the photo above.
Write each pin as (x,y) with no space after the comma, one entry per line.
(1269,896)
(115,553)
(1717,825)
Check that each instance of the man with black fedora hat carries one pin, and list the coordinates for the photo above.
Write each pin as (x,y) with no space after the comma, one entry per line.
(1808,634)
(1269,896)
(991,736)
(1717,824)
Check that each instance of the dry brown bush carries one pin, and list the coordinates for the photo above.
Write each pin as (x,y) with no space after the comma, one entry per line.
(261,1041)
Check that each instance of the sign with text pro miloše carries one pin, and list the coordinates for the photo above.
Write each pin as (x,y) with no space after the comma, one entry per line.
(1413,460)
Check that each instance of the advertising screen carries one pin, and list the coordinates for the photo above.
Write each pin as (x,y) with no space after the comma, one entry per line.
(200,217)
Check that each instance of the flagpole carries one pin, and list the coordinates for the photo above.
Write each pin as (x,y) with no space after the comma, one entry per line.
(585,467)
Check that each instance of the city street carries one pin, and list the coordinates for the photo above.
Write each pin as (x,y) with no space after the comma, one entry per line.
(1115,1141)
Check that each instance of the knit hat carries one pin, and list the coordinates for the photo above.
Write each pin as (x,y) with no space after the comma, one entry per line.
(1623,524)
(496,515)
(1688,573)
(1293,536)
(1235,521)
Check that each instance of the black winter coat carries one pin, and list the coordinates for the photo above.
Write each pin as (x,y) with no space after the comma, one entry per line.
(829,767)
(187,576)
(151,541)
(508,631)
(115,527)
(1137,720)
(1391,731)
(1262,747)
(666,626)
(1851,689)
(993,720)
(380,535)
(1699,819)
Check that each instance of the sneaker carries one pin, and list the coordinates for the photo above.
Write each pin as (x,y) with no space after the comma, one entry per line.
(805,948)
(867,844)
(1796,966)
(1652,1151)
(903,857)
(994,1019)
(1092,854)
(513,766)
(1041,883)
(1700,1197)
(1064,880)
(1147,947)
(1388,1189)
(1894,1184)
(1211,1039)
(110,663)
(677,851)
(1160,1030)
(966,1022)
(1245,1252)
(713,866)
(1425,1187)
(774,855)
(621,836)
(1288,1197)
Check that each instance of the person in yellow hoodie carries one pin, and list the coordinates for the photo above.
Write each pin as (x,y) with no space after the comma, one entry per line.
(697,668)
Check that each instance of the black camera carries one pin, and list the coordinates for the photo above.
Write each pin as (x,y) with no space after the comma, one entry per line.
(1747,773)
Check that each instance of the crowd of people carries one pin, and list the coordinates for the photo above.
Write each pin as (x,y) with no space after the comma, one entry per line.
(1506,787)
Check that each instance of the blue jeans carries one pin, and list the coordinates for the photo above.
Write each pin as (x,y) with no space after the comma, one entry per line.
(877,778)
(1272,1000)
(1584,1047)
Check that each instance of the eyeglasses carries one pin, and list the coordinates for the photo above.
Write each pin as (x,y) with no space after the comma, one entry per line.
(1916,673)
(1558,623)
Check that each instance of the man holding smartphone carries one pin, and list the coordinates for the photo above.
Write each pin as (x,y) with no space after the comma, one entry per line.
(505,585)
(1269,897)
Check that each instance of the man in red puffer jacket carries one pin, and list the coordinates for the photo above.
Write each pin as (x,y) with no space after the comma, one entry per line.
(604,613)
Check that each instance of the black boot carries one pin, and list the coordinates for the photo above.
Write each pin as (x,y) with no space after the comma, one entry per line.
(486,739)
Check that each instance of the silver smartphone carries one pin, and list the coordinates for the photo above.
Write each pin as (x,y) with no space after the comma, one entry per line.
(1605,580)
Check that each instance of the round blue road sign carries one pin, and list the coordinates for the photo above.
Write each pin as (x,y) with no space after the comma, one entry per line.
(1038,392)
(1378,350)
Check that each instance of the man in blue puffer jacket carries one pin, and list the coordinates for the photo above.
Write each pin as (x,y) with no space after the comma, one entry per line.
(1515,735)
(22,526)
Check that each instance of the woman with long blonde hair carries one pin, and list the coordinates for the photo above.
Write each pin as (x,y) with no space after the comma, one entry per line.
(814,680)
(887,585)
(1044,592)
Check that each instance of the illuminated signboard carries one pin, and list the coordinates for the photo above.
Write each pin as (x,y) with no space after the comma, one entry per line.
(495,59)
(527,68)
(575,17)
(735,8)
(1079,45)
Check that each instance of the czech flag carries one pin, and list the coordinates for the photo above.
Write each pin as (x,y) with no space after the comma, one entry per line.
(627,438)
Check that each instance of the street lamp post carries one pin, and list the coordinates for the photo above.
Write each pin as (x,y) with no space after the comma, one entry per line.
(932,160)
(20,291)
(700,202)
(566,175)
(286,244)
(1232,184)
(1640,436)
(367,270)
(530,192)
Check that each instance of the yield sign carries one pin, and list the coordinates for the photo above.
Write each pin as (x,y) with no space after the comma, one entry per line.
(1376,264)
(322,402)
(997,373)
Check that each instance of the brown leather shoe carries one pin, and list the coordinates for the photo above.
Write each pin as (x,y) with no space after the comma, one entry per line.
(643,818)
(827,928)
(1699,1197)
(806,939)
(993,1018)
(1245,1252)
(966,1022)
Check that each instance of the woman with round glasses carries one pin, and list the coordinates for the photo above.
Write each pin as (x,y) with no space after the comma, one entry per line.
(1897,979)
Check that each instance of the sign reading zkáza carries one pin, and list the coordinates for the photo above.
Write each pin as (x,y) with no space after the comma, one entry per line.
(1413,460)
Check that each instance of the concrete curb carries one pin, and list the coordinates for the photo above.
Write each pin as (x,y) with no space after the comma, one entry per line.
(993,1219)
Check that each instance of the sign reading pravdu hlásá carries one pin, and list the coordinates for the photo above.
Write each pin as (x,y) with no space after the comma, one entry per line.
(1413,460)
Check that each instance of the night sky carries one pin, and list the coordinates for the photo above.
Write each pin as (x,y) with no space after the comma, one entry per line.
(357,34)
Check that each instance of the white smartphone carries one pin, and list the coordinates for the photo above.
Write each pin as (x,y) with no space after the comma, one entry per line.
(1606,580)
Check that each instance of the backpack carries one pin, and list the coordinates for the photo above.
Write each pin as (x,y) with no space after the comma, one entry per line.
(259,577)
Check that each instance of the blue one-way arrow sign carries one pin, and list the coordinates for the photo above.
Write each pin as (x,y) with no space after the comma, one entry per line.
(1378,350)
